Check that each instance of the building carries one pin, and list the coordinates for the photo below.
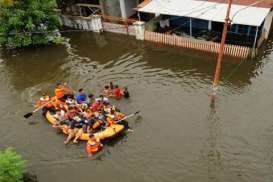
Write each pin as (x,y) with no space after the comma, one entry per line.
(250,20)
(99,15)
(116,8)
(193,24)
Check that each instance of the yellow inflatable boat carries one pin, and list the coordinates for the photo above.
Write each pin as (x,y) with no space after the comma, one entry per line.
(109,132)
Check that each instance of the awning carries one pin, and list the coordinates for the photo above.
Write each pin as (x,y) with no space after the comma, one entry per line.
(205,10)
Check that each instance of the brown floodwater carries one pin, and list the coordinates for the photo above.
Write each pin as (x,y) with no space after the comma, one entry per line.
(177,136)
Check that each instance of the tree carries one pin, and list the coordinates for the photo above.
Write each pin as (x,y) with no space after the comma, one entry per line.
(28,22)
(12,166)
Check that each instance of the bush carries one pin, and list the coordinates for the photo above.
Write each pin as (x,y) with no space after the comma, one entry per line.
(12,166)
(29,22)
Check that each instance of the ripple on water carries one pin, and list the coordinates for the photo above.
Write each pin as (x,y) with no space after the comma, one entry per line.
(173,141)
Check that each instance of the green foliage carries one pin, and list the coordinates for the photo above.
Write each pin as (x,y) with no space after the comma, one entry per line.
(6,2)
(12,166)
(28,22)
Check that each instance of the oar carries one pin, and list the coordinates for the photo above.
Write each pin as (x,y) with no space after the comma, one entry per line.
(37,109)
(128,116)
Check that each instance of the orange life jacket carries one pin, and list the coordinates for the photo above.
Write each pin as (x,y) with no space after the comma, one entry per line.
(97,124)
(120,115)
(93,146)
(110,120)
(59,92)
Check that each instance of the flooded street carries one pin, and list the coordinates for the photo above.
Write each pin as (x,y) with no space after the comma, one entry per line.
(177,137)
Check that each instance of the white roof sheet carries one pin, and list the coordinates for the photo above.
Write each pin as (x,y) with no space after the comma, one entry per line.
(205,10)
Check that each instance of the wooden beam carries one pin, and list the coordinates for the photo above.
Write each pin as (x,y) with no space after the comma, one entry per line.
(88,5)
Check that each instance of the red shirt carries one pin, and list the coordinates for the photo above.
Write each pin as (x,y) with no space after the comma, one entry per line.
(96,106)
(117,92)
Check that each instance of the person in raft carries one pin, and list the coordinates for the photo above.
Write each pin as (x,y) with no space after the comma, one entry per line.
(93,145)
(62,91)
(90,100)
(81,96)
(45,101)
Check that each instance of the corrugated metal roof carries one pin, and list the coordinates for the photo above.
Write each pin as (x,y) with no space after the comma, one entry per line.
(258,3)
(205,10)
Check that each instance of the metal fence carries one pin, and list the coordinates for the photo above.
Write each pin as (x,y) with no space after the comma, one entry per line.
(202,45)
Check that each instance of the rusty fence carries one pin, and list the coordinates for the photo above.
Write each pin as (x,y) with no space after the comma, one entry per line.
(202,45)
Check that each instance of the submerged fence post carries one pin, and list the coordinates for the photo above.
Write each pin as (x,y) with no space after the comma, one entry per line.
(139,29)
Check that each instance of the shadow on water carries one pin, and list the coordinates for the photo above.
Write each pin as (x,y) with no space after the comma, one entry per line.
(212,152)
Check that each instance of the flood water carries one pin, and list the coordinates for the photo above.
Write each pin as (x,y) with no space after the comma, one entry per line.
(177,137)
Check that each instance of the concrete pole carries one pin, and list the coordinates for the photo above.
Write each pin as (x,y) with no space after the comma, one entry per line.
(123,8)
(190,27)
(139,30)
(254,43)
(267,25)
(209,26)
(138,15)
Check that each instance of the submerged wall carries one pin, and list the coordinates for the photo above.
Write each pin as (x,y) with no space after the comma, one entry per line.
(92,23)
(118,28)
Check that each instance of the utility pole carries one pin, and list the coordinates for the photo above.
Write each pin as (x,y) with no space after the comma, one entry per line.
(220,54)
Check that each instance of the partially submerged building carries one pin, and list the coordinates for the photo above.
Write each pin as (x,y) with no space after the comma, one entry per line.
(118,8)
(194,24)
(200,23)
(116,15)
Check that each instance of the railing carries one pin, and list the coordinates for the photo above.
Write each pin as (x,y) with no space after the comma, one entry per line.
(122,25)
(207,46)
(117,19)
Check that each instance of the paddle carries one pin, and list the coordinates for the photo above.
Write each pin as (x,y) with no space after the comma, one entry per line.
(37,109)
(40,107)
(128,116)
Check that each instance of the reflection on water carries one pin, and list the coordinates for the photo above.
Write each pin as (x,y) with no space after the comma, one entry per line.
(178,137)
